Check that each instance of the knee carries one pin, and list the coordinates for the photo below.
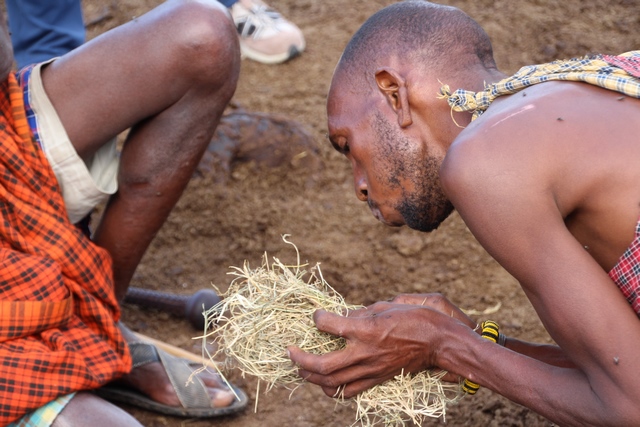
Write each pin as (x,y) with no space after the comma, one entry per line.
(86,409)
(205,45)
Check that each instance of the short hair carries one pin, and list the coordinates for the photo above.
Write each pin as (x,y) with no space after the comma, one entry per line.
(431,35)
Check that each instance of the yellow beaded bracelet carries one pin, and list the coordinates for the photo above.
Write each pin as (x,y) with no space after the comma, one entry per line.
(490,331)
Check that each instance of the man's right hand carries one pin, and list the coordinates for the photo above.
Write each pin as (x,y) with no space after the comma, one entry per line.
(383,340)
(437,302)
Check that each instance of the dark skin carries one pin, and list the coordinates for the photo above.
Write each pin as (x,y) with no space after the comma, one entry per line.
(168,75)
(555,202)
(6,51)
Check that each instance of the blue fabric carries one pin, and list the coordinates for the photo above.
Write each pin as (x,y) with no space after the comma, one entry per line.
(23,77)
(228,3)
(44,29)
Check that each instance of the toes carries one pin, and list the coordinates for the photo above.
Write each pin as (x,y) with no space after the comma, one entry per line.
(212,380)
(221,398)
(220,394)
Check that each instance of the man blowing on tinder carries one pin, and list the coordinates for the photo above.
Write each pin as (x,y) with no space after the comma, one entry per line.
(542,167)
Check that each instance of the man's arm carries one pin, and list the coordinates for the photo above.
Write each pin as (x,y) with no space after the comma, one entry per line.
(547,353)
(376,333)
(514,195)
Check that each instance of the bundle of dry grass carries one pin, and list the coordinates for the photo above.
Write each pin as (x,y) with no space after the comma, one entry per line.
(271,307)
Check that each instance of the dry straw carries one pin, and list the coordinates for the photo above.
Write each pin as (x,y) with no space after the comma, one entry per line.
(271,307)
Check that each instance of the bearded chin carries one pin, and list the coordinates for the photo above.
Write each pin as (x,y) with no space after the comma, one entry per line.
(425,216)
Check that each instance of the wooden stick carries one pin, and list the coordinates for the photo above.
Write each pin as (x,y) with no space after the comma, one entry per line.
(177,351)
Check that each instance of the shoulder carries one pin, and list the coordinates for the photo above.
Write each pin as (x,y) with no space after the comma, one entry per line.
(504,143)
(549,132)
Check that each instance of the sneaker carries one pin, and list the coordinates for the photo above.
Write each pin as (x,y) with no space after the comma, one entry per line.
(265,36)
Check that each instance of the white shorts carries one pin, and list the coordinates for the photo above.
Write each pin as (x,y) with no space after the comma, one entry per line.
(84,185)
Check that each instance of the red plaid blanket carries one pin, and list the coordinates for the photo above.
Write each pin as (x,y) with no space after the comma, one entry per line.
(58,311)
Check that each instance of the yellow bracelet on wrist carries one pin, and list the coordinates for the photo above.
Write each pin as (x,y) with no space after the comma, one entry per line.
(490,331)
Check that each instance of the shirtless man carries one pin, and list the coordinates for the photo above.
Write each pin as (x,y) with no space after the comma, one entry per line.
(167,76)
(546,178)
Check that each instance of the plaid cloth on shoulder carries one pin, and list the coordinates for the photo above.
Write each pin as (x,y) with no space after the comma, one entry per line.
(619,73)
(58,311)
(626,273)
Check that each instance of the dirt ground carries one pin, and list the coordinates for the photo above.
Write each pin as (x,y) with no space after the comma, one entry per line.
(229,215)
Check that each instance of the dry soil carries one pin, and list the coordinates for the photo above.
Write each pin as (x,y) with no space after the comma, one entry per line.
(236,210)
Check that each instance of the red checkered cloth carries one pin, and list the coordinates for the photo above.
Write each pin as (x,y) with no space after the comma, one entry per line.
(629,63)
(626,273)
(58,310)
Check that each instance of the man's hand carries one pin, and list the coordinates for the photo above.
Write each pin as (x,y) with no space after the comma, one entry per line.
(383,340)
(437,302)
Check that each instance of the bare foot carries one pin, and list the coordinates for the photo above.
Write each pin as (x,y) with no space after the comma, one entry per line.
(152,380)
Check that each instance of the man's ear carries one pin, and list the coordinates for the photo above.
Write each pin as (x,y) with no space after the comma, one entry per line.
(393,87)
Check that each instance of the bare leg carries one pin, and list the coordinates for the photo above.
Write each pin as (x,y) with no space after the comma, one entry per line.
(168,76)
(85,409)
